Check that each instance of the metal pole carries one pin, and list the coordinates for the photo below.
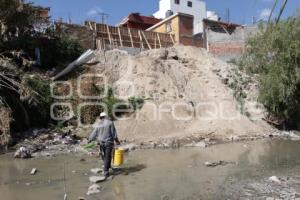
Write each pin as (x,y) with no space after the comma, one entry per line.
(281,11)
(273,8)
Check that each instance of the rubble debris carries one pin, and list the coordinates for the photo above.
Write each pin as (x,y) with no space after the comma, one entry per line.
(97,179)
(128,147)
(201,145)
(219,163)
(22,153)
(33,171)
(275,179)
(94,189)
(96,170)
(169,75)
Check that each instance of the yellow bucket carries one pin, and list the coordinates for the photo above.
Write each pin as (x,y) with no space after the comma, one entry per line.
(118,157)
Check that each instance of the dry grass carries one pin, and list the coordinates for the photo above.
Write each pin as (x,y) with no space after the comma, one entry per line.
(5,119)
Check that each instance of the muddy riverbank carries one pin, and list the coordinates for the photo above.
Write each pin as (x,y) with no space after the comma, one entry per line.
(48,143)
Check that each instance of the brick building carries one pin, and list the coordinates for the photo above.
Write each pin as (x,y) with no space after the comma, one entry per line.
(222,38)
(135,20)
(182,26)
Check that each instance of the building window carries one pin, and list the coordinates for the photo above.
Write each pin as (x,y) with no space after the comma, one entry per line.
(169,27)
(177,1)
(190,4)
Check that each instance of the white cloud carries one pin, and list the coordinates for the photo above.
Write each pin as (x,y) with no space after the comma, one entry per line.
(265,13)
(94,11)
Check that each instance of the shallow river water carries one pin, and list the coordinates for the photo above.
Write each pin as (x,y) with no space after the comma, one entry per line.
(161,174)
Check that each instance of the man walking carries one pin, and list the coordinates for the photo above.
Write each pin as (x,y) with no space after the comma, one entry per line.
(105,133)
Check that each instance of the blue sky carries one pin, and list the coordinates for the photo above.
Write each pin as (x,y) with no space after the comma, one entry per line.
(241,11)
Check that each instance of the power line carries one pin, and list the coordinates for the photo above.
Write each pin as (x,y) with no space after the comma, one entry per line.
(104,17)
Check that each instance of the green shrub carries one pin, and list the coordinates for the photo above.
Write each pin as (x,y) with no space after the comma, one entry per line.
(274,55)
(113,104)
(40,112)
(136,102)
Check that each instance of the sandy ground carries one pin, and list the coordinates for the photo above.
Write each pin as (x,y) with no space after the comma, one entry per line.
(183,95)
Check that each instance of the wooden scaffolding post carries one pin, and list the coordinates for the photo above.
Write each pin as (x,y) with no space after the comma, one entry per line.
(155,43)
(109,36)
(120,37)
(130,37)
(172,38)
(159,40)
(146,40)
(90,26)
(141,39)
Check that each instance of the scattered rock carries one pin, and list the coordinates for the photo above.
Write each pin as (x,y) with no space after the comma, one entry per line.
(33,171)
(94,189)
(291,135)
(22,153)
(96,170)
(97,179)
(214,164)
(275,179)
(128,147)
(201,145)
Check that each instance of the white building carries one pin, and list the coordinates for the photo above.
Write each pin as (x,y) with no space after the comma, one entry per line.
(197,8)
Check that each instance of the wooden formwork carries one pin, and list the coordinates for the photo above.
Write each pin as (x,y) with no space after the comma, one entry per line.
(114,37)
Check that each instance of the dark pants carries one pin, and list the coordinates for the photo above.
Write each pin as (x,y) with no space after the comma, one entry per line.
(106,154)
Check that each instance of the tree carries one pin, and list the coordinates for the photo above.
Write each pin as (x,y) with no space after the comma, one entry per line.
(17,17)
(274,54)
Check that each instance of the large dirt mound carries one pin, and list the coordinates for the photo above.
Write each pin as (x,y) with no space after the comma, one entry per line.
(184,95)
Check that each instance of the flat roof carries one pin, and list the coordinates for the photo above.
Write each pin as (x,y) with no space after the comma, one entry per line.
(221,23)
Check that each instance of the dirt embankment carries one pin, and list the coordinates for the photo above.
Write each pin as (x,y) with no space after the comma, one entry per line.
(184,95)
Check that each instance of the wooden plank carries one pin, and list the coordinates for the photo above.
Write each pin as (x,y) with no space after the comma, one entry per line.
(109,37)
(120,37)
(90,25)
(172,38)
(130,37)
(159,40)
(146,40)
(141,39)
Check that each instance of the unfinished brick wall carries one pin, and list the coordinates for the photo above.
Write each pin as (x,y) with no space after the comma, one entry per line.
(228,42)
(227,48)
(186,26)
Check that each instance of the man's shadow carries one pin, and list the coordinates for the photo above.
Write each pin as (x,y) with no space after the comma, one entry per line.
(129,170)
